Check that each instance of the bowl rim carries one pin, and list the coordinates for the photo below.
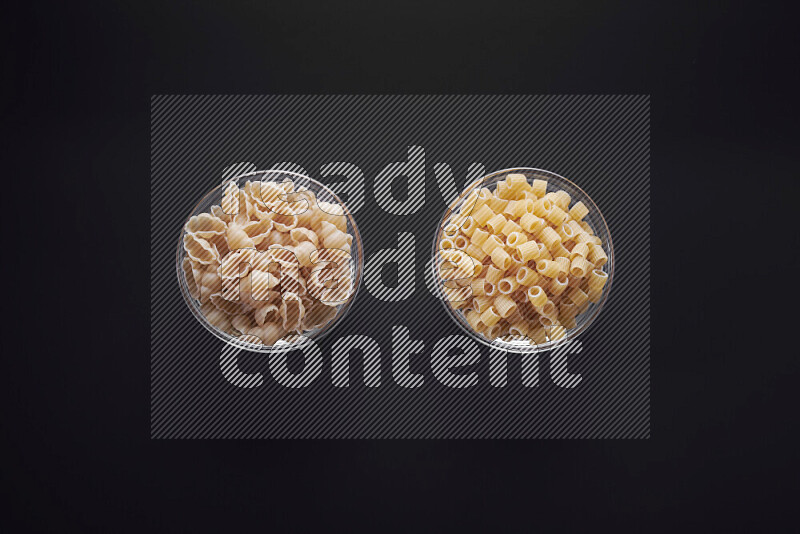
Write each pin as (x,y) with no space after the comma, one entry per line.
(498,344)
(280,346)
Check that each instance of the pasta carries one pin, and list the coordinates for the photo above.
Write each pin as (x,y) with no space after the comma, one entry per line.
(493,274)
(548,268)
(205,226)
(527,276)
(199,250)
(500,257)
(504,306)
(563,264)
(538,262)
(529,250)
(270,262)
(507,285)
(579,267)
(490,317)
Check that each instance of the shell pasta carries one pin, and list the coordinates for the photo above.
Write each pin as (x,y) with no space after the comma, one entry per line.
(269,262)
(541,263)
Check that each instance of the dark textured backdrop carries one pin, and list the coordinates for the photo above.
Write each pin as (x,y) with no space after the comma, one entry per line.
(600,142)
(77,84)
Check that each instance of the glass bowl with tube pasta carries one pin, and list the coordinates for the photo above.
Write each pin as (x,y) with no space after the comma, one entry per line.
(269,260)
(523,260)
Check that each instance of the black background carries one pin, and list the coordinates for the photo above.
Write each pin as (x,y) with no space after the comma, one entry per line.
(77,78)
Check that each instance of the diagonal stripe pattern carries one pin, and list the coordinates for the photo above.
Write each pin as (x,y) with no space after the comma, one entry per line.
(201,388)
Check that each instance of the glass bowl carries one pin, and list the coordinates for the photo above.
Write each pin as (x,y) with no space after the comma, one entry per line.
(594,218)
(214,197)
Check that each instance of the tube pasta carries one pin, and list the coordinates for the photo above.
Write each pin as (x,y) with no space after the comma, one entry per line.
(536,296)
(469,226)
(489,289)
(476,252)
(491,243)
(527,277)
(556,331)
(478,287)
(595,294)
(563,264)
(544,252)
(537,335)
(539,187)
(568,322)
(531,223)
(490,317)
(582,237)
(547,268)
(579,267)
(567,309)
(496,331)
(549,237)
(578,296)
(507,285)
(518,330)
(529,251)
(538,262)
(510,227)
(479,237)
(598,256)
(497,203)
(565,232)
(561,199)
(542,207)
(482,303)
(482,215)
(556,216)
(580,249)
(558,284)
(597,279)
(578,211)
(517,182)
(501,258)
(474,319)
(515,209)
(504,306)
(496,223)
(493,274)
(547,309)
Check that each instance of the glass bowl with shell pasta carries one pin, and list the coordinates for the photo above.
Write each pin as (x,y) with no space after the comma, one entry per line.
(269,260)
(523,260)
